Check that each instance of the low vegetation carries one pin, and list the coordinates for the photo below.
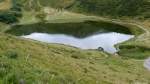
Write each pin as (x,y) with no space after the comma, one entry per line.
(113,8)
(24,61)
(30,62)
(11,15)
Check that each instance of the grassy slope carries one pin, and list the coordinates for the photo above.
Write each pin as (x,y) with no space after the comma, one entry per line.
(140,45)
(5,5)
(137,45)
(34,62)
(116,7)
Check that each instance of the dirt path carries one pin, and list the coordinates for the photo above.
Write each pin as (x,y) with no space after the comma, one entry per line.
(147,63)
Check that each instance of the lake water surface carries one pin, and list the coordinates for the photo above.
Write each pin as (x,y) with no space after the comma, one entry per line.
(104,40)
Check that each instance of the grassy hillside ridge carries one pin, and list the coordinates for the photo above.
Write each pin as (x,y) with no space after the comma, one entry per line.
(139,46)
(134,8)
(99,7)
(28,61)
(34,62)
(77,22)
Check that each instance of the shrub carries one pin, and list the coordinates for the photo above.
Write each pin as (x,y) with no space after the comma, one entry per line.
(12,15)
(8,18)
(11,54)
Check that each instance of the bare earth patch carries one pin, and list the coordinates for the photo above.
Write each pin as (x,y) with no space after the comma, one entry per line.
(5,5)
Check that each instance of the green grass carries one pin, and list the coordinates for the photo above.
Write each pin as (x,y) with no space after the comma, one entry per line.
(28,18)
(4,27)
(116,8)
(134,51)
(31,62)
(34,62)
(77,26)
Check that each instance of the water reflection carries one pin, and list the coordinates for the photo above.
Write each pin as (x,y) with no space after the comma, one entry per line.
(104,40)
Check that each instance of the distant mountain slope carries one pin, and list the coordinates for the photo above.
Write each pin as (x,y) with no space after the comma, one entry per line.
(113,8)
(98,7)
